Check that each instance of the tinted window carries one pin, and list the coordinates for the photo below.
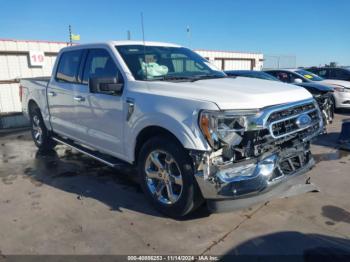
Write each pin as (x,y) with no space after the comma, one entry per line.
(283,76)
(341,74)
(68,66)
(322,73)
(99,64)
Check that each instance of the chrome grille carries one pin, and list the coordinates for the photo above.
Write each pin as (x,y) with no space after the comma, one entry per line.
(287,121)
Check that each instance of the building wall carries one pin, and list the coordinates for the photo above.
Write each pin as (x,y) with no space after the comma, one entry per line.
(227,60)
(14,64)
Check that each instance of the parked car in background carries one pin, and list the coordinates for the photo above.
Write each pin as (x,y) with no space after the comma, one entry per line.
(251,74)
(338,73)
(193,133)
(322,94)
(341,88)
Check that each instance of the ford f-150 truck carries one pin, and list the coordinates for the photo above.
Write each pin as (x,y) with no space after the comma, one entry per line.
(193,133)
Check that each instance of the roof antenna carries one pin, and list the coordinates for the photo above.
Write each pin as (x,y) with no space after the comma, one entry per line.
(144,44)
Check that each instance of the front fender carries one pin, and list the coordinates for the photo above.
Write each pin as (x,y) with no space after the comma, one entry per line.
(186,131)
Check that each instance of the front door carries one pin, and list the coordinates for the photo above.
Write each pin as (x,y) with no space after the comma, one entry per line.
(100,115)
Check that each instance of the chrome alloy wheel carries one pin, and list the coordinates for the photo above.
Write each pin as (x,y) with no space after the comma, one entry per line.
(37,130)
(163,177)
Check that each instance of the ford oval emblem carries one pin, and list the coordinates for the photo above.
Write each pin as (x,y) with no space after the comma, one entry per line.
(303,120)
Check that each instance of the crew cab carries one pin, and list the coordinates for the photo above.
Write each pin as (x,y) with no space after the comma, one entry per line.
(193,133)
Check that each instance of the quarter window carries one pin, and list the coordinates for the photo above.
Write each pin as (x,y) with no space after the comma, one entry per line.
(68,66)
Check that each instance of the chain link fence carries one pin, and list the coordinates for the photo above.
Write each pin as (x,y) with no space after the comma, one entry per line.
(279,61)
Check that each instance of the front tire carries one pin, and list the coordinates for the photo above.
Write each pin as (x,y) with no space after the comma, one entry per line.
(167,177)
(40,134)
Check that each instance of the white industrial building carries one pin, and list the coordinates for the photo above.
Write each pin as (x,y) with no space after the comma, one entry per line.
(23,59)
(230,60)
(20,59)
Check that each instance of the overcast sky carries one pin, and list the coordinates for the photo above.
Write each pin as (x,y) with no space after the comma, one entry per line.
(316,32)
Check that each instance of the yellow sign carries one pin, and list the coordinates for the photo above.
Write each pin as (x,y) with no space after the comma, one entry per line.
(75,37)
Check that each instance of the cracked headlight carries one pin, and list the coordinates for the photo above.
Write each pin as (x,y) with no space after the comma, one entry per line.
(226,127)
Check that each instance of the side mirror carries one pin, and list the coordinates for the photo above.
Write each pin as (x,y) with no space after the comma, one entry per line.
(298,81)
(105,85)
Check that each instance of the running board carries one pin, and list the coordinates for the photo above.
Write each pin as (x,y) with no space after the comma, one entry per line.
(106,159)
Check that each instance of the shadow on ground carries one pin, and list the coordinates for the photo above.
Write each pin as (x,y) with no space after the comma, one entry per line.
(291,246)
(328,140)
(86,178)
(343,112)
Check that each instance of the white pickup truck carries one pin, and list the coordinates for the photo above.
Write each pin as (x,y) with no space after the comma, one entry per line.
(194,133)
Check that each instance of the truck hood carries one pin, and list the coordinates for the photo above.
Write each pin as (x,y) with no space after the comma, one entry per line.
(335,83)
(234,93)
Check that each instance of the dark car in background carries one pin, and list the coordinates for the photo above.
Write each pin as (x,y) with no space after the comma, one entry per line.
(338,73)
(321,93)
(251,74)
(341,88)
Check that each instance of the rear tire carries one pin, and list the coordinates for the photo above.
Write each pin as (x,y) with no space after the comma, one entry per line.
(40,134)
(167,177)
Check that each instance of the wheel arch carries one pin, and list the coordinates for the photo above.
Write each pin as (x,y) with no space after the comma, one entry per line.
(32,104)
(149,132)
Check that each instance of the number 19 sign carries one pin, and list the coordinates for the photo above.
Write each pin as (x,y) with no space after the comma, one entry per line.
(36,58)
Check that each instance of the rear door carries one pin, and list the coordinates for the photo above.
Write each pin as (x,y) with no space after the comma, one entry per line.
(60,94)
(100,115)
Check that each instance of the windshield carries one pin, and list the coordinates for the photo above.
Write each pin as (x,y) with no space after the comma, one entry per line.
(309,75)
(166,63)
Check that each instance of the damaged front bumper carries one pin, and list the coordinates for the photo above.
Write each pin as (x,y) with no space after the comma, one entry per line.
(250,179)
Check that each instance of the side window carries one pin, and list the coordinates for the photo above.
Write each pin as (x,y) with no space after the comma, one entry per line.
(322,73)
(283,76)
(68,66)
(292,78)
(341,74)
(99,64)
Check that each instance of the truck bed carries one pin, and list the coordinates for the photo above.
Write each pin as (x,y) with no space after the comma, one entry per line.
(35,89)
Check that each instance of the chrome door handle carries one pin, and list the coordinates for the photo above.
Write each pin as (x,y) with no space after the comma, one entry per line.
(51,93)
(79,98)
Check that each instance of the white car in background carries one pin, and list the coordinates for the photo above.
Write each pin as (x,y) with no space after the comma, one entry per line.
(341,88)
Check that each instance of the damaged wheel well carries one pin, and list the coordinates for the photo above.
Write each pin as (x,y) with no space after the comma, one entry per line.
(149,132)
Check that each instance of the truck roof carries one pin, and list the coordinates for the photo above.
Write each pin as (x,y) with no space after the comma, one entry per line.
(121,43)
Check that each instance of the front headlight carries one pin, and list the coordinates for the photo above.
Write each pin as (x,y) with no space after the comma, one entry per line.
(225,127)
(339,89)
(342,89)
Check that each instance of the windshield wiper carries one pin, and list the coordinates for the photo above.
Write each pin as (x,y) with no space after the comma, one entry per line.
(186,78)
(170,77)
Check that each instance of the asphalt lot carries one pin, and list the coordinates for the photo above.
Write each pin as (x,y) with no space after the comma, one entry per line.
(66,203)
